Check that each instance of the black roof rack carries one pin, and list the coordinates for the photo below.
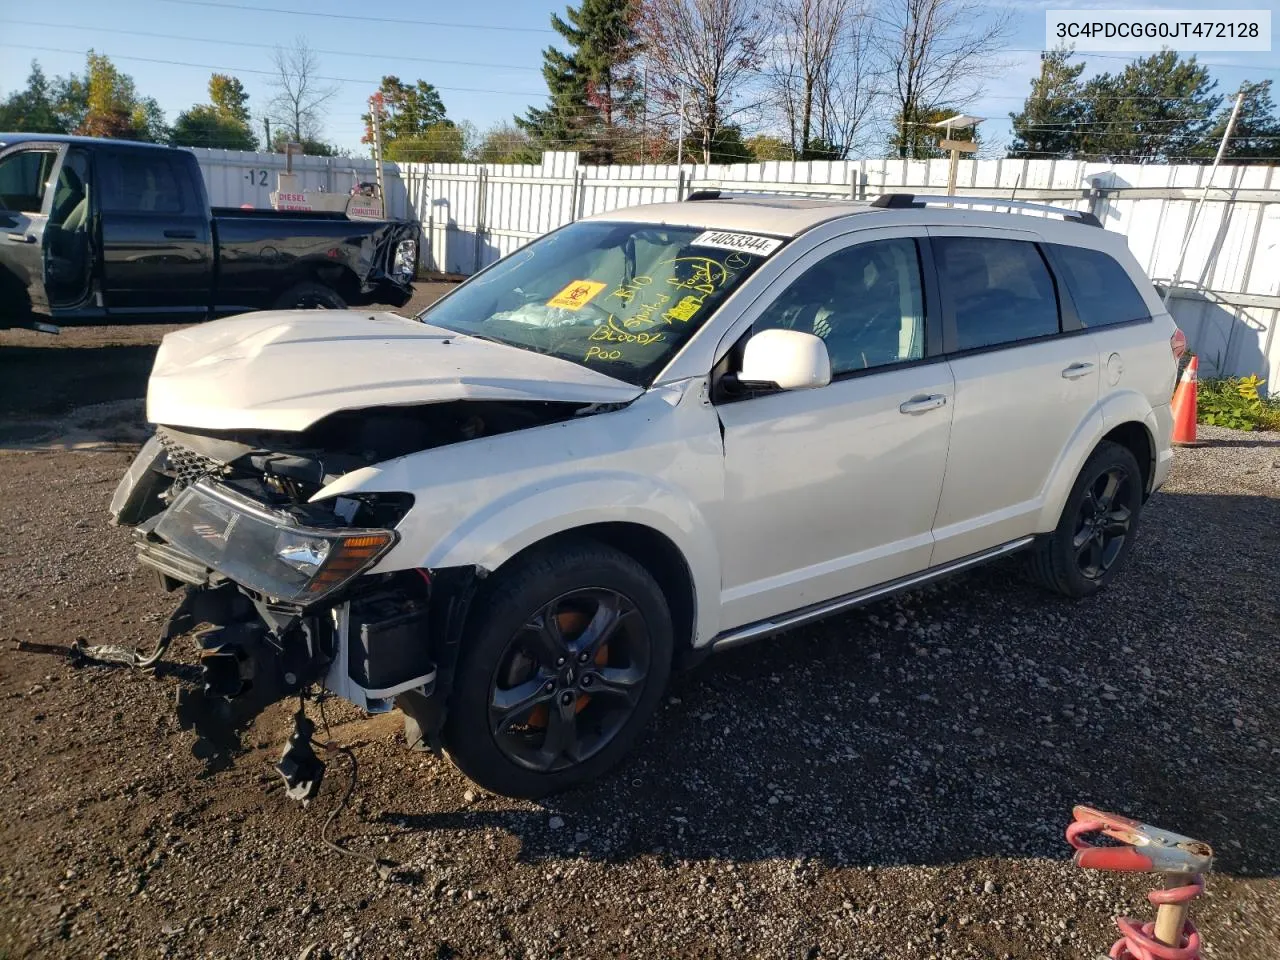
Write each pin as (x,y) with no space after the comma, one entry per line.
(899,201)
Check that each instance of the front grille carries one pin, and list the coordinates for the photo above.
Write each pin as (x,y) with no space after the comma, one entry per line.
(187,465)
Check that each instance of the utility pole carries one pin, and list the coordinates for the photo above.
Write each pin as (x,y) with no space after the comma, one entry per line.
(377,149)
(1204,194)
(680,133)
(266,124)
(644,118)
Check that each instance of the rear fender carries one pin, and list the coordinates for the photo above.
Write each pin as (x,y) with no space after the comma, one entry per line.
(1124,406)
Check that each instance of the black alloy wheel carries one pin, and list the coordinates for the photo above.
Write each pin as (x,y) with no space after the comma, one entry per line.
(1102,522)
(563,662)
(570,679)
(1095,532)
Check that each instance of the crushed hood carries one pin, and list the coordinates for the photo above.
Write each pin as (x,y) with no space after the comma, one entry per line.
(284,370)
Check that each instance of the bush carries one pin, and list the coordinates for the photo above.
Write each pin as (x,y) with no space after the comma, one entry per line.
(1237,402)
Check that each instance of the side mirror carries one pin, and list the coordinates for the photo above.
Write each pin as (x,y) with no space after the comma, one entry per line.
(787,359)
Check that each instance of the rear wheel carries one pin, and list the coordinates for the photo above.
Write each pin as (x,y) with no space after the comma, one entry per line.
(309,295)
(561,671)
(1095,534)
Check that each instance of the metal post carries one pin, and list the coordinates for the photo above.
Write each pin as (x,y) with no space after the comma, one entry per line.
(680,135)
(1204,194)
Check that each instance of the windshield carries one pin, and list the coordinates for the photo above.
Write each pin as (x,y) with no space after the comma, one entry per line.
(620,298)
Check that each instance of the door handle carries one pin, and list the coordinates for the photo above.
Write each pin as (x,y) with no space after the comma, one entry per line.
(22,238)
(921,404)
(180,234)
(1077,370)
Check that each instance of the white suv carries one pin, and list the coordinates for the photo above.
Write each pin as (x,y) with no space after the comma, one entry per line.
(645,436)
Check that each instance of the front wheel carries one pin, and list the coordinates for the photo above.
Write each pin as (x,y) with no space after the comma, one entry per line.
(309,295)
(1095,534)
(562,669)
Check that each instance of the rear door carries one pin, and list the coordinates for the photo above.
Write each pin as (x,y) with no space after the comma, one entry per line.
(157,249)
(26,175)
(1026,381)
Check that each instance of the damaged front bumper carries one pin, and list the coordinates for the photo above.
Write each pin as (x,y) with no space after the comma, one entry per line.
(288,599)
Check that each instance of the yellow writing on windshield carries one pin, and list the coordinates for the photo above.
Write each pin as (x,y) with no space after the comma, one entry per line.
(576,295)
(685,310)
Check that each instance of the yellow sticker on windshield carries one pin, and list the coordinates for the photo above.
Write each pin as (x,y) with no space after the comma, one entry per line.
(576,295)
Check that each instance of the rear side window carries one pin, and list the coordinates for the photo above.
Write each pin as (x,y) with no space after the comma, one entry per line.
(23,176)
(1100,287)
(1000,290)
(141,182)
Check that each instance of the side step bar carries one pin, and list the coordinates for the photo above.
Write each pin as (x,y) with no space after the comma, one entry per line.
(767,628)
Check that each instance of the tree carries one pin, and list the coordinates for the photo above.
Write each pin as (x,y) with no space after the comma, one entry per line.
(765,146)
(111,105)
(223,124)
(593,88)
(299,92)
(1049,124)
(413,120)
(819,75)
(1257,130)
(228,97)
(312,148)
(919,140)
(505,143)
(937,51)
(701,54)
(31,110)
(1157,109)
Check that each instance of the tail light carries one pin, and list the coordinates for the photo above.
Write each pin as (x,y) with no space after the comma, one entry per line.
(1178,344)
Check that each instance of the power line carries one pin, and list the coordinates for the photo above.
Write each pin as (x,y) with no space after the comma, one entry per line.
(268,73)
(362,18)
(270,46)
(1087,55)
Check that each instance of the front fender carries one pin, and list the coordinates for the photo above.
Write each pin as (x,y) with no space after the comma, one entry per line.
(1125,406)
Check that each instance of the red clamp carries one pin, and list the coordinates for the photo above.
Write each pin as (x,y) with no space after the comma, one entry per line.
(1146,848)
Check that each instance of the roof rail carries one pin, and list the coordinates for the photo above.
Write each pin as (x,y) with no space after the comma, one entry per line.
(898,201)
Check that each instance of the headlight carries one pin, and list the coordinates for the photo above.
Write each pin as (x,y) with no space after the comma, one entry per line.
(266,551)
(405,264)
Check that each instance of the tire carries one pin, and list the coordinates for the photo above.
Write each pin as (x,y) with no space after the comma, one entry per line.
(1095,533)
(511,660)
(309,295)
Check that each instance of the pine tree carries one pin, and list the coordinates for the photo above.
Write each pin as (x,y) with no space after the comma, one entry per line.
(1157,110)
(32,109)
(1257,131)
(1048,125)
(593,95)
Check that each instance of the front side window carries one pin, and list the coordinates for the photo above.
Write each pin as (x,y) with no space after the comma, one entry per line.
(139,182)
(1000,290)
(23,177)
(865,302)
(620,298)
(1100,287)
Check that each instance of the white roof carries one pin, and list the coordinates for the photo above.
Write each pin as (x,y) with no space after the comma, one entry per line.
(785,216)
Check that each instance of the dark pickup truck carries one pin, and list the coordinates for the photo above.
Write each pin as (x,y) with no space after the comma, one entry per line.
(114,231)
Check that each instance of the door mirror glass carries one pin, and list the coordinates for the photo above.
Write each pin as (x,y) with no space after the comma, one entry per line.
(788,359)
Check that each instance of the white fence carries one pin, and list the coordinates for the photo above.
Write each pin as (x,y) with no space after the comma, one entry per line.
(1228,301)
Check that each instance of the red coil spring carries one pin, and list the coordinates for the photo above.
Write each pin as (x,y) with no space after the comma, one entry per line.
(1137,940)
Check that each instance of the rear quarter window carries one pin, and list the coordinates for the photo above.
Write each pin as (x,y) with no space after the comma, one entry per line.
(1101,288)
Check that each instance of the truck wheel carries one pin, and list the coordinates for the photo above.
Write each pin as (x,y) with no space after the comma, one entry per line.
(560,672)
(309,295)
(1095,534)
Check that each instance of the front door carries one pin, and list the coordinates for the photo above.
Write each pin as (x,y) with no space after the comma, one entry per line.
(1024,386)
(25,195)
(833,490)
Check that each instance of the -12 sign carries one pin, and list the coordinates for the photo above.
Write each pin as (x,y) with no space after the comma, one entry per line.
(256,178)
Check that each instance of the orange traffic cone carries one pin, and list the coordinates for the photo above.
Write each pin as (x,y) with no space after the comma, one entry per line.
(1184,407)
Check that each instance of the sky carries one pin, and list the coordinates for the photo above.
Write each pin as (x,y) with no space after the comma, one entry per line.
(484,56)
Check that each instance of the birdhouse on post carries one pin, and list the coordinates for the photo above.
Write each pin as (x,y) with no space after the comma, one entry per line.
(961,121)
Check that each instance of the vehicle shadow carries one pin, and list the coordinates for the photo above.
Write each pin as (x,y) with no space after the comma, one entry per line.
(39,381)
(965,721)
